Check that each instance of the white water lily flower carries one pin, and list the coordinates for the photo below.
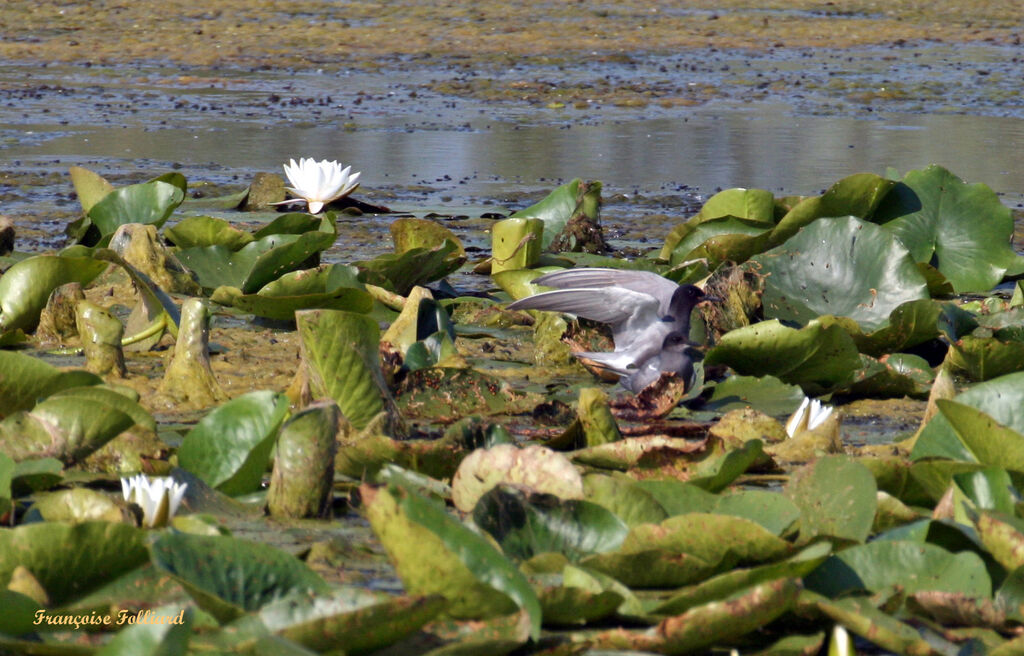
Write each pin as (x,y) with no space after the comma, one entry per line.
(159,498)
(319,183)
(841,643)
(808,416)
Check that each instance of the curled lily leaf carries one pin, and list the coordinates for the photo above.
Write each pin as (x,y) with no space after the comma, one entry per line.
(159,498)
(808,416)
(319,183)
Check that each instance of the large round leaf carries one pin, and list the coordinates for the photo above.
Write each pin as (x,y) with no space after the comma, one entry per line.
(911,566)
(340,350)
(558,207)
(435,554)
(816,357)
(351,619)
(961,228)
(1002,399)
(26,286)
(837,498)
(24,380)
(840,266)
(228,576)
(69,560)
(150,202)
(526,524)
(230,447)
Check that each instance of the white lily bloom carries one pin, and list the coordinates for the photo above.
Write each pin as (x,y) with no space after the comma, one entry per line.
(319,183)
(808,416)
(159,498)
(841,643)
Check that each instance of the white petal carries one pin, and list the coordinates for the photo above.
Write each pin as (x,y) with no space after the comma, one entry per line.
(315,206)
(798,420)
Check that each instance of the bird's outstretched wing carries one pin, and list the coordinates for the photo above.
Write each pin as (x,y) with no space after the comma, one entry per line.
(644,282)
(611,305)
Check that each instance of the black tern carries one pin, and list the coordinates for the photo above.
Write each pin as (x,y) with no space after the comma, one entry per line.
(675,357)
(641,307)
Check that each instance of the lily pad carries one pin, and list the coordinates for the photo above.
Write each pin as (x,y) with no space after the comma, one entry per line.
(331,287)
(840,266)
(230,447)
(560,205)
(227,576)
(255,264)
(435,554)
(723,585)
(910,566)
(526,524)
(26,286)
(24,380)
(95,552)
(963,229)
(816,357)
(837,499)
(400,272)
(533,467)
(1001,398)
(201,231)
(148,203)
(355,620)
(340,350)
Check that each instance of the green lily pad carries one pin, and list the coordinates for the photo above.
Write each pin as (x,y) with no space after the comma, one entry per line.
(859,616)
(719,587)
(340,350)
(202,231)
(878,566)
(621,495)
(147,203)
(409,233)
(255,264)
(837,498)
(526,524)
(961,228)
(895,375)
(767,394)
(400,272)
(560,205)
(816,357)
(90,187)
(24,380)
(154,638)
(435,554)
(227,576)
(94,552)
(984,358)
(331,287)
(566,605)
(355,620)
(858,195)
(75,505)
(26,286)
(68,429)
(719,239)
(910,324)
(533,467)
(1002,399)
(840,266)
(712,537)
(229,448)
(366,455)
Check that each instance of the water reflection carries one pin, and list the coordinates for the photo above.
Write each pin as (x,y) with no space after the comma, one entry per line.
(708,149)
